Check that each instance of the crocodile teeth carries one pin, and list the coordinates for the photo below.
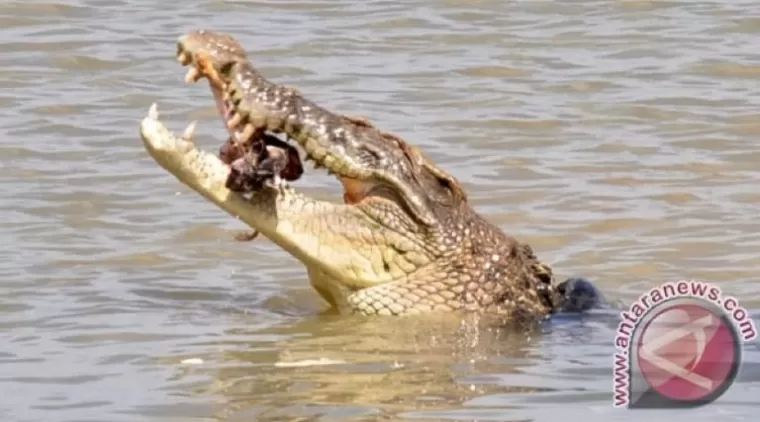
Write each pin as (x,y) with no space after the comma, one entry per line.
(192,75)
(153,111)
(184,58)
(190,131)
(234,121)
(247,132)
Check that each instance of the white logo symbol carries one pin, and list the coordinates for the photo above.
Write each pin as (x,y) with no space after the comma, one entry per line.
(662,333)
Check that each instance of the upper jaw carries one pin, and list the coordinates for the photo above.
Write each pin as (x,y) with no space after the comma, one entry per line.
(221,60)
(362,157)
(248,103)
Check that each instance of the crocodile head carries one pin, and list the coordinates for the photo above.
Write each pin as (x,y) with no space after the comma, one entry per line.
(368,162)
(404,240)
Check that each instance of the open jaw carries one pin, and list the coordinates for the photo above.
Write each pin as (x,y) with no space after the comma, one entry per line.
(350,249)
(223,63)
(367,161)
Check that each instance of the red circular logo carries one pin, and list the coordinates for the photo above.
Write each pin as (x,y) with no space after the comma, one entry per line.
(688,353)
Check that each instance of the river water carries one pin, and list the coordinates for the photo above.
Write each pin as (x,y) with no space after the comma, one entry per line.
(619,138)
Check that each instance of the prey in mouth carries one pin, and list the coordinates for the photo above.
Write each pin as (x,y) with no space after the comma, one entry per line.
(260,161)
(257,159)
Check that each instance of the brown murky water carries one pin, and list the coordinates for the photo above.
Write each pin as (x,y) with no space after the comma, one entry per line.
(619,138)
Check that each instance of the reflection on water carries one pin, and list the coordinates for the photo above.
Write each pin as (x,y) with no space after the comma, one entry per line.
(618,138)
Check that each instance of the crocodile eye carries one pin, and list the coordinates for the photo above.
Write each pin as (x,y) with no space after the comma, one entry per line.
(371,155)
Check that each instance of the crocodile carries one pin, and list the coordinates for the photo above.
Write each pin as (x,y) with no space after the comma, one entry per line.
(404,241)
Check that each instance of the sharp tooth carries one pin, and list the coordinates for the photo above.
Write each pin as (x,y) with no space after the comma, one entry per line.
(234,121)
(190,131)
(184,58)
(248,131)
(192,75)
(153,112)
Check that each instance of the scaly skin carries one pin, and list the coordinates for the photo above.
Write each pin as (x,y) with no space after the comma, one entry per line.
(406,240)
